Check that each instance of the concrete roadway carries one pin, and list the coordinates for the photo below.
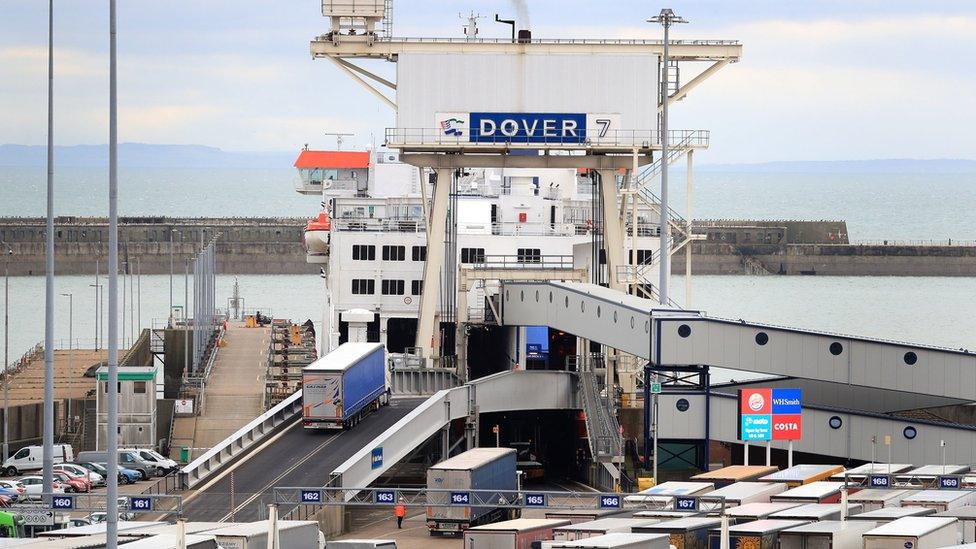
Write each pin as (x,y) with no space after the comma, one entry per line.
(295,458)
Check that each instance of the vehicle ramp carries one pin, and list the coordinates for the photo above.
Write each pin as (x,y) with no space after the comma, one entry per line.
(504,391)
(669,336)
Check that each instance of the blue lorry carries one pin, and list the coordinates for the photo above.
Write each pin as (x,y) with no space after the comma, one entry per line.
(344,386)
(456,490)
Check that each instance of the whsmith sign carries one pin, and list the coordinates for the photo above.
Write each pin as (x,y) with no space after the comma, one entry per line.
(770,414)
(523,127)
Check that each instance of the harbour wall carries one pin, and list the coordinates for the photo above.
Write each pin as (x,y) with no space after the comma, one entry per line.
(274,246)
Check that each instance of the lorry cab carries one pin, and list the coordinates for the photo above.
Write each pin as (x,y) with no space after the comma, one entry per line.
(31,458)
(11,526)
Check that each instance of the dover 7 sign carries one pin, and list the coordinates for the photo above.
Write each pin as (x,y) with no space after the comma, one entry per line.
(770,414)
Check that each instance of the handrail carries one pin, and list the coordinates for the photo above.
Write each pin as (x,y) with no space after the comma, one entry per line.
(241,441)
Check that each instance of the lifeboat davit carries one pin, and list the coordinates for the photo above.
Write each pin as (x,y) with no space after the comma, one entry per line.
(317,238)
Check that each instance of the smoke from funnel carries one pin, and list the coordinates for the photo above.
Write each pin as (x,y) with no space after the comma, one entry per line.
(522,13)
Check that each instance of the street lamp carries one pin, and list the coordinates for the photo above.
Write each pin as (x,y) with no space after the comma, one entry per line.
(666,18)
(6,344)
(71,322)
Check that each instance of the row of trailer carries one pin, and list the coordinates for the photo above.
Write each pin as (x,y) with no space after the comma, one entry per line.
(803,507)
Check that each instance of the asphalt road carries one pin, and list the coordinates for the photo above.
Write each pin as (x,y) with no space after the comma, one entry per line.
(298,458)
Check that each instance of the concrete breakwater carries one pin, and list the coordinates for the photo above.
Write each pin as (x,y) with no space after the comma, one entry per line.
(274,246)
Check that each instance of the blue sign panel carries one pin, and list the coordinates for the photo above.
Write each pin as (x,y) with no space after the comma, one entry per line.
(460,498)
(140,503)
(535,500)
(787,401)
(376,460)
(521,127)
(685,504)
(62,502)
(879,481)
(757,427)
(610,502)
(311,496)
(387,497)
(949,483)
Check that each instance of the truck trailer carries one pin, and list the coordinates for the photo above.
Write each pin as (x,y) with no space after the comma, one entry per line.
(452,508)
(914,533)
(344,386)
(511,534)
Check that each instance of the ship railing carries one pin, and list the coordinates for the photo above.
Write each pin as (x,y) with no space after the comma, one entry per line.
(408,225)
(627,139)
(525,261)
(584,41)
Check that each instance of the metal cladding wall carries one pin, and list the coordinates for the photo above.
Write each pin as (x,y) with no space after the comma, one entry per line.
(472,82)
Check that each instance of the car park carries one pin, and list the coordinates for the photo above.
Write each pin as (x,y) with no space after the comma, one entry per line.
(128,459)
(14,486)
(94,478)
(31,458)
(126,476)
(163,463)
(72,484)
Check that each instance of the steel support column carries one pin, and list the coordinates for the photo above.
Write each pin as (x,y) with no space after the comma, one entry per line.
(430,295)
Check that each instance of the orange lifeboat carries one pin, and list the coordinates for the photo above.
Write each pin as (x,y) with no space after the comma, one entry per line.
(317,238)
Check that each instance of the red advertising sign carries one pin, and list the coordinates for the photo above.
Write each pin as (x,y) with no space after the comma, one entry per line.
(756,401)
(787,426)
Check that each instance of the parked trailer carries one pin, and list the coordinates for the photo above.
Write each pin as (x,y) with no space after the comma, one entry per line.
(914,533)
(169,541)
(798,475)
(877,498)
(449,512)
(600,527)
(576,516)
(861,472)
(822,491)
(735,473)
(661,515)
(511,534)
(344,386)
(756,534)
(614,541)
(750,512)
(816,511)
(687,533)
(967,518)
(927,475)
(361,544)
(254,535)
(940,500)
(662,495)
(891,514)
(742,493)
(827,534)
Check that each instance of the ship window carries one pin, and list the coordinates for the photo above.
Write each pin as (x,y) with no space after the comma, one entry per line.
(472,255)
(139,387)
(392,287)
(416,287)
(394,253)
(363,252)
(644,256)
(363,286)
(419,253)
(529,255)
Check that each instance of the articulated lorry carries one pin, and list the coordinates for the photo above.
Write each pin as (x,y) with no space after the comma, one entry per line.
(452,504)
(344,386)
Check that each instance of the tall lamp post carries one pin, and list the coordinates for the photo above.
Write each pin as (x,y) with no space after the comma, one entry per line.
(666,18)
(6,344)
(71,323)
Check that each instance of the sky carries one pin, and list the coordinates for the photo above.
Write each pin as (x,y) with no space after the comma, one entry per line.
(818,80)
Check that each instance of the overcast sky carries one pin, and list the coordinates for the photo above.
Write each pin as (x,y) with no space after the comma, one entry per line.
(827,79)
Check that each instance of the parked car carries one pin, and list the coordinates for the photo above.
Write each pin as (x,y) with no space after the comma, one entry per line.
(72,484)
(99,516)
(126,476)
(31,458)
(75,470)
(34,487)
(14,486)
(128,459)
(152,456)
(72,522)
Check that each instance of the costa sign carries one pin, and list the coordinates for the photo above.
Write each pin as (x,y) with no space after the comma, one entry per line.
(770,414)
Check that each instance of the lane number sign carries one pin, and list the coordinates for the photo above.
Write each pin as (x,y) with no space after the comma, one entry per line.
(460,498)
(311,496)
(610,502)
(384,497)
(535,500)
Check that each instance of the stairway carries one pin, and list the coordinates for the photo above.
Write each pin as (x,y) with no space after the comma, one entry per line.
(603,430)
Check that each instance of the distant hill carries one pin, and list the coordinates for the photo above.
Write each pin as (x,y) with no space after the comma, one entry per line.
(894,165)
(141,155)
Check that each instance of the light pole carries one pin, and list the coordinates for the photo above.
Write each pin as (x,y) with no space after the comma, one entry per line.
(47,459)
(666,18)
(6,344)
(71,322)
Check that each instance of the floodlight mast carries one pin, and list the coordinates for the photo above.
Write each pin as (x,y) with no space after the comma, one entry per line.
(666,18)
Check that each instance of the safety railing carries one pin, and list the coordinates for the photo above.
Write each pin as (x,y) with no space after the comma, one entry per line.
(583,41)
(521,138)
(601,424)
(525,261)
(241,441)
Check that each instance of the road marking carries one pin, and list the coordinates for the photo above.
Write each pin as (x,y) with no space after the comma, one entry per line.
(271,484)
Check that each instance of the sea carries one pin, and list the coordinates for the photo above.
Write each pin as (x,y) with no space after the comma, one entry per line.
(891,207)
